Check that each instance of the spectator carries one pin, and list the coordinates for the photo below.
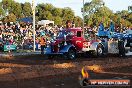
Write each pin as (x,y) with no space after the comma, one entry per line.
(43,44)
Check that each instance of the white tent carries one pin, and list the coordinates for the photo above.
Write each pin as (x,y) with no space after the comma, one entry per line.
(45,22)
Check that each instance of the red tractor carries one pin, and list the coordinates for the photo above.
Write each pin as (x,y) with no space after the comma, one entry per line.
(71,41)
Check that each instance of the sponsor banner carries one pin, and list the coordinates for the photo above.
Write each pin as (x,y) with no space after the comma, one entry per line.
(9,47)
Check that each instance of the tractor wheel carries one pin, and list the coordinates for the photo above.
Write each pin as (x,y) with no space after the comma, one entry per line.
(99,51)
(71,54)
(121,48)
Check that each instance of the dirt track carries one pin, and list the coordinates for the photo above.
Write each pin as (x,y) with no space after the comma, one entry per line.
(58,73)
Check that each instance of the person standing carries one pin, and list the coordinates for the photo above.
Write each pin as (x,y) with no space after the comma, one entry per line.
(42,43)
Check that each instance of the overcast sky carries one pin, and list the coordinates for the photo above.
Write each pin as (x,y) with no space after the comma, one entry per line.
(114,5)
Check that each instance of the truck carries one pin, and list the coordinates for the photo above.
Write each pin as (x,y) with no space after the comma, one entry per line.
(70,42)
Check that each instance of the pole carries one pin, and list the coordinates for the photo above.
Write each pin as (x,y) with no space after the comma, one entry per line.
(83,18)
(33,10)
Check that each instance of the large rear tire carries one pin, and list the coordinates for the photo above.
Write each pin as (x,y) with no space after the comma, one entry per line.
(99,51)
(121,48)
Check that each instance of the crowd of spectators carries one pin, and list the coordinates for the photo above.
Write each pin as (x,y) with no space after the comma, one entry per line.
(22,35)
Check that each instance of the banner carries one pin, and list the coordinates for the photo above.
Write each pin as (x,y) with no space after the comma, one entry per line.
(9,47)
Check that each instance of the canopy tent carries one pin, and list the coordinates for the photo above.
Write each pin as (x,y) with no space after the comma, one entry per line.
(45,22)
(26,20)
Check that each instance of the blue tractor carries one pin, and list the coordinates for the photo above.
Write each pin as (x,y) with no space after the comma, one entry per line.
(115,42)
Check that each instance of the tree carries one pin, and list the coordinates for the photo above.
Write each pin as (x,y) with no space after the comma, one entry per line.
(10,18)
(96,12)
(7,5)
(93,6)
(130,18)
(104,15)
(93,12)
(57,12)
(26,9)
(1,11)
(48,7)
(44,11)
(59,15)
(78,21)
(125,17)
(67,14)
(46,15)
(58,20)
(16,9)
(39,9)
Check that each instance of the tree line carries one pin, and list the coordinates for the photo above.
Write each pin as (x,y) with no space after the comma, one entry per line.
(11,10)
(94,13)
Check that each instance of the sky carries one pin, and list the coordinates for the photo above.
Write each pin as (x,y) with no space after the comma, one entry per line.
(76,5)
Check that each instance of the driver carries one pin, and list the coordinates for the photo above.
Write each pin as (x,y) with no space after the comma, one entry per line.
(68,24)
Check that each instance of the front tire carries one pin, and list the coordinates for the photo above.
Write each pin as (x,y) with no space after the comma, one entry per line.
(71,54)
